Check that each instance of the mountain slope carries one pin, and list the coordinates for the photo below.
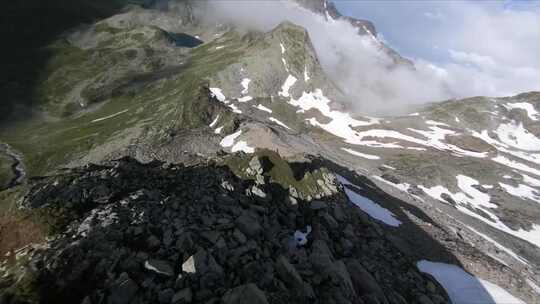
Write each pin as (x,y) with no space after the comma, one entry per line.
(208,238)
(457,182)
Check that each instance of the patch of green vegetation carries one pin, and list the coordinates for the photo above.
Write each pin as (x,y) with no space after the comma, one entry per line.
(321,134)
(18,227)
(23,284)
(46,145)
(73,75)
(9,198)
(287,114)
(105,28)
(168,103)
(280,172)
(6,172)
(473,116)
(296,40)
(67,67)
(418,166)
(470,110)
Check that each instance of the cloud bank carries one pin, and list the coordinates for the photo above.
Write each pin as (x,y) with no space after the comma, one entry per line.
(356,64)
(485,47)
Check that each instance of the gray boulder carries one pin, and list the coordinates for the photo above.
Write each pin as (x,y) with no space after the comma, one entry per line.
(318,205)
(245,294)
(160,267)
(183,296)
(123,290)
(288,274)
(364,282)
(248,224)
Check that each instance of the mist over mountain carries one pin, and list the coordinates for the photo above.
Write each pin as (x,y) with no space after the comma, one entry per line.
(373,84)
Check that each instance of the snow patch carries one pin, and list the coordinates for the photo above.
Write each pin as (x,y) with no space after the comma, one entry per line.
(289,82)
(108,117)
(522,191)
(285,64)
(274,120)
(402,186)
(245,84)
(464,288)
(375,40)
(300,237)
(436,123)
(234,108)
(306,75)
(368,206)
(228,140)
(529,108)
(471,197)
(245,99)
(356,153)
(263,108)
(214,122)
(341,124)
(242,146)
(218,130)
(283,58)
(531,181)
(436,136)
(502,147)
(515,165)
(517,136)
(217,93)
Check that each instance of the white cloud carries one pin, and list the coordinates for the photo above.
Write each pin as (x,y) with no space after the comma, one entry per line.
(489,51)
(480,61)
(434,15)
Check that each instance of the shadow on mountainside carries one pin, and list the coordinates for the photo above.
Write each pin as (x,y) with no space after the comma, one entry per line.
(414,241)
(411,239)
(148,233)
(26,26)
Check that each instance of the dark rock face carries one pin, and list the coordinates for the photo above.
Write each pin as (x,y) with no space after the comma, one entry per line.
(156,233)
(245,294)
(329,10)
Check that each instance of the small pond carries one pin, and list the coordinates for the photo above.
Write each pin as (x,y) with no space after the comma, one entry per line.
(185,40)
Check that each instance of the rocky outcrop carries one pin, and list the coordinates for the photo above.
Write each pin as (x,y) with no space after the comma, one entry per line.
(159,233)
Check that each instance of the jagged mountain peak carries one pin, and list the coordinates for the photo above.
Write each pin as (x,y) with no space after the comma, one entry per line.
(285,54)
(330,12)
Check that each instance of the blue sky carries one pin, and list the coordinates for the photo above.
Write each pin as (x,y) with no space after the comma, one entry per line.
(428,29)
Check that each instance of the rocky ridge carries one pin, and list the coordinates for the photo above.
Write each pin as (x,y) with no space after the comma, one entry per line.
(160,233)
